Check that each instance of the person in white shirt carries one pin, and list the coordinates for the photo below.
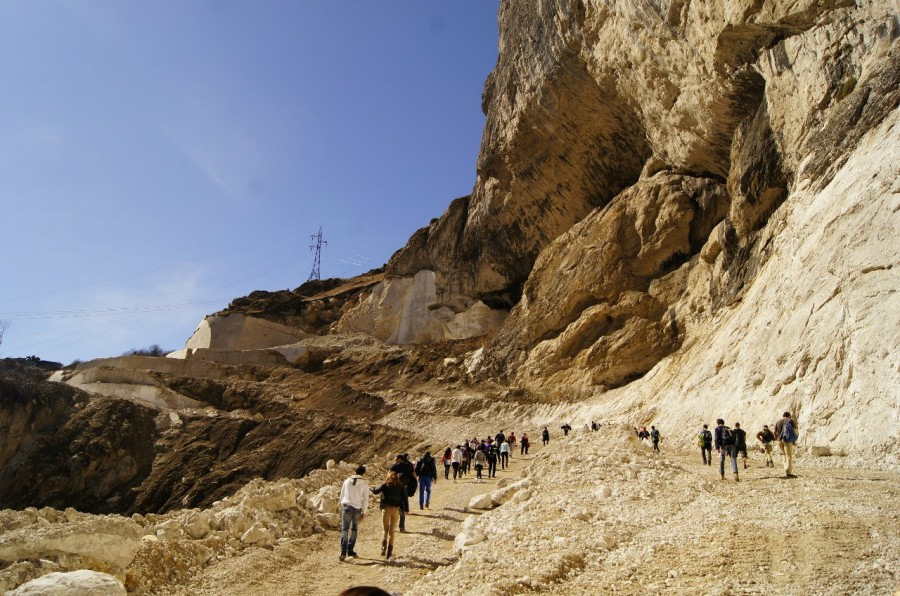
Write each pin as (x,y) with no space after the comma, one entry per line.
(354,504)
(456,461)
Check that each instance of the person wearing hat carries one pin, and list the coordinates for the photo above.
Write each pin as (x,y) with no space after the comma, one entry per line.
(407,475)
(354,502)
(767,438)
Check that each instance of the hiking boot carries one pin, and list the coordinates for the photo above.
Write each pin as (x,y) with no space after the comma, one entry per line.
(723,476)
(390,551)
(352,554)
(342,557)
(736,477)
(383,547)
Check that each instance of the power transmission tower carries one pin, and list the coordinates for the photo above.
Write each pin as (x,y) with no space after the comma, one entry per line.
(317,259)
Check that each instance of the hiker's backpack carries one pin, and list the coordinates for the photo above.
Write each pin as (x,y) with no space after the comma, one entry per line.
(727,436)
(654,434)
(411,485)
(701,439)
(788,434)
(420,467)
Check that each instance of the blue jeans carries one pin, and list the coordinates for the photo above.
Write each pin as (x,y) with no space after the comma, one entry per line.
(349,527)
(424,490)
(731,450)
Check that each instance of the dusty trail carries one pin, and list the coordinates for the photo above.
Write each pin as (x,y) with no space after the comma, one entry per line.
(677,529)
(311,567)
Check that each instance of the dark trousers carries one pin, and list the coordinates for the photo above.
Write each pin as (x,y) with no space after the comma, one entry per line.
(524,449)
(478,471)
(447,471)
(455,469)
(706,452)
(504,460)
(492,467)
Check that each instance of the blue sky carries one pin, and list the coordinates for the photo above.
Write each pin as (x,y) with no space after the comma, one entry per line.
(158,159)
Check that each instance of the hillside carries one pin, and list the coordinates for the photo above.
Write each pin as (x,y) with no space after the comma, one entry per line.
(682,211)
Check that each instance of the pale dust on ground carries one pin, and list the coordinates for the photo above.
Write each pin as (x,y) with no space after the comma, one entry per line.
(311,567)
(680,529)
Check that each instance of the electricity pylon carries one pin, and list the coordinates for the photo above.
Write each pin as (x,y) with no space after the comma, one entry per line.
(317,259)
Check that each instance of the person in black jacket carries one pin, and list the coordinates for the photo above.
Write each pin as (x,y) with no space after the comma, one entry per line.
(740,442)
(407,475)
(726,445)
(393,496)
(426,470)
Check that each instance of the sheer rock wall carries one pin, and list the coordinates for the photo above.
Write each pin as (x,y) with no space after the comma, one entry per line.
(644,164)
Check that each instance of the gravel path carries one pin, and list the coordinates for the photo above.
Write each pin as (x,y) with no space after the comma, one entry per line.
(606,515)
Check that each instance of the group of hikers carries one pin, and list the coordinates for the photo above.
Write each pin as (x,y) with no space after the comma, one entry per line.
(731,442)
(403,479)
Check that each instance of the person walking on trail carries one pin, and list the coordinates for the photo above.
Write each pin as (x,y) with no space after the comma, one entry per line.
(456,461)
(407,475)
(786,431)
(655,437)
(705,440)
(354,502)
(504,455)
(525,444)
(490,451)
(393,495)
(446,459)
(740,442)
(545,436)
(767,438)
(566,428)
(426,470)
(512,442)
(725,445)
(479,459)
(466,462)
(499,438)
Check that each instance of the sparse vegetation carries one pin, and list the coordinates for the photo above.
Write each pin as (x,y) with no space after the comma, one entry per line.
(153,350)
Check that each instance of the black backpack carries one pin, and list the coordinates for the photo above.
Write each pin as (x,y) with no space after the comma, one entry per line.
(727,436)
(411,484)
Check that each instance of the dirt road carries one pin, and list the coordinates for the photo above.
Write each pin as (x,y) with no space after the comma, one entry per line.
(671,527)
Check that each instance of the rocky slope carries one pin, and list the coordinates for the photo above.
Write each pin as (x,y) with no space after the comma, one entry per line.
(658,178)
(683,210)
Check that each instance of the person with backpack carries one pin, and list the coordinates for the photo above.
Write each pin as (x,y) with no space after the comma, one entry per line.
(786,431)
(767,438)
(705,440)
(655,437)
(725,445)
(740,442)
(426,470)
(490,451)
(525,444)
(565,428)
(479,459)
(393,495)
(354,502)
(545,436)
(512,442)
(407,475)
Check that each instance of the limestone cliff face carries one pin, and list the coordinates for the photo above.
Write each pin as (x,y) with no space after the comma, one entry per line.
(654,172)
